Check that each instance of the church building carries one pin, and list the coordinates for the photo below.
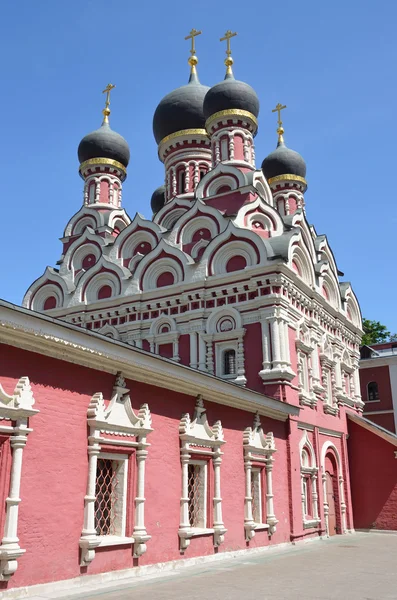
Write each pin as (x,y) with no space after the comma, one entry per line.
(179,387)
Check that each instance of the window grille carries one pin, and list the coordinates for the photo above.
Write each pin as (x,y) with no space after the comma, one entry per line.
(256,495)
(229,362)
(107,497)
(373,391)
(196,495)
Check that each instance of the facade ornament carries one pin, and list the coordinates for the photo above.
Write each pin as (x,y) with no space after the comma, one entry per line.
(17,408)
(116,425)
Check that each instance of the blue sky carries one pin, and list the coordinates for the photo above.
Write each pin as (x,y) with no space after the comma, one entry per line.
(333,64)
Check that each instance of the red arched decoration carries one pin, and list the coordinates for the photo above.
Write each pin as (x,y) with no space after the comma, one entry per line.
(88,261)
(236,263)
(166,278)
(51,302)
(223,189)
(105,292)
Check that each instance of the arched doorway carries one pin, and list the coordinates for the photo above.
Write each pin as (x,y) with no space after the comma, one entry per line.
(330,497)
(333,490)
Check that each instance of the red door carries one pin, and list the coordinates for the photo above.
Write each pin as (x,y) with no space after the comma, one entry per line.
(331,504)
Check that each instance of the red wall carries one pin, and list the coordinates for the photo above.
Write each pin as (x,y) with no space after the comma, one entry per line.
(382,377)
(54,472)
(373,479)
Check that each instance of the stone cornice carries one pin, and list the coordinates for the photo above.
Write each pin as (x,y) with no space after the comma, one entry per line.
(41,334)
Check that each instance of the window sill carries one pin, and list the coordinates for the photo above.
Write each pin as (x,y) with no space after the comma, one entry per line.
(309,524)
(114,540)
(195,531)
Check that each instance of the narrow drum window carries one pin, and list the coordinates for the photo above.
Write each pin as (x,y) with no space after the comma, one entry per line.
(197,494)
(229,362)
(182,181)
(109,497)
(373,391)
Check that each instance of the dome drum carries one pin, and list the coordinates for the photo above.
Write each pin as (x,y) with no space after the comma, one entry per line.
(186,137)
(102,165)
(231,118)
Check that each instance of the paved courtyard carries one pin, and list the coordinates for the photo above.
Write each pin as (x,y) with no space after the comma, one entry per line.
(355,567)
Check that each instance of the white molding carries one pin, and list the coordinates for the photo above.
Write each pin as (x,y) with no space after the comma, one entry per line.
(258,447)
(17,407)
(117,419)
(194,434)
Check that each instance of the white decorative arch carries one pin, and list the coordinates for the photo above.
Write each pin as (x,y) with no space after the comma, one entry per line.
(222,174)
(50,283)
(135,239)
(326,447)
(197,223)
(76,260)
(85,217)
(97,282)
(162,265)
(309,472)
(172,217)
(304,264)
(220,313)
(332,288)
(219,182)
(109,331)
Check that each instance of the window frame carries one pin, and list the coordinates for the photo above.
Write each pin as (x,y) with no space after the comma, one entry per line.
(377,398)
(203,464)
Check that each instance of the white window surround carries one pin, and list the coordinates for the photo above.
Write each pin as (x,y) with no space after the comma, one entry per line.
(341,483)
(312,472)
(117,419)
(259,449)
(156,338)
(198,438)
(15,408)
(224,328)
(304,349)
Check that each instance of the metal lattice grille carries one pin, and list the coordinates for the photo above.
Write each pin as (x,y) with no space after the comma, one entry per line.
(196,495)
(106,496)
(256,496)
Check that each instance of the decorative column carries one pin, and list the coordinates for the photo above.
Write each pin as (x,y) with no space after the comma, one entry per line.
(240,379)
(249,524)
(265,345)
(16,408)
(270,516)
(342,502)
(202,353)
(184,525)
(274,325)
(219,527)
(193,350)
(325,502)
(89,540)
(315,494)
(210,354)
(140,533)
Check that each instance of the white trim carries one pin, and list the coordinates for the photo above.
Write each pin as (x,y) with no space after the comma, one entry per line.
(195,433)
(117,419)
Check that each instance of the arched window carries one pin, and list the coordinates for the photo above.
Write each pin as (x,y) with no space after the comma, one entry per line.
(229,362)
(373,392)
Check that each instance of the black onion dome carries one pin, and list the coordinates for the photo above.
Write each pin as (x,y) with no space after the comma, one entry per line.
(104,143)
(283,161)
(180,109)
(231,94)
(158,199)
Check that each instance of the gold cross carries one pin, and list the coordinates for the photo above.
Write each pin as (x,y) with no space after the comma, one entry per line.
(107,91)
(227,37)
(278,110)
(191,36)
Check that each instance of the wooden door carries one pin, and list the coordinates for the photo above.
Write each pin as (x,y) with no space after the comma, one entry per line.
(331,504)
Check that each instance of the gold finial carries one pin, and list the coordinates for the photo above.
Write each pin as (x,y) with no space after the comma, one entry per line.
(228,60)
(280,128)
(193,60)
(106,110)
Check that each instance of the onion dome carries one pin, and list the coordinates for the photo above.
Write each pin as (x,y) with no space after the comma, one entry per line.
(231,94)
(182,109)
(283,163)
(104,143)
(158,199)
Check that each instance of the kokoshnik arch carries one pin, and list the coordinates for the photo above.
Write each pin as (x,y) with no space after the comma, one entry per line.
(236,349)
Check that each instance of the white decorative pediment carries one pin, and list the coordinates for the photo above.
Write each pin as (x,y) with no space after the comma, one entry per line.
(197,430)
(119,417)
(20,403)
(256,441)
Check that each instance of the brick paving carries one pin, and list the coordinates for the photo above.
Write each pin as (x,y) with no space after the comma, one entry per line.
(353,567)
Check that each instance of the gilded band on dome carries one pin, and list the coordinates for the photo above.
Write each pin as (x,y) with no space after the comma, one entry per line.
(287,177)
(183,132)
(92,162)
(232,112)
